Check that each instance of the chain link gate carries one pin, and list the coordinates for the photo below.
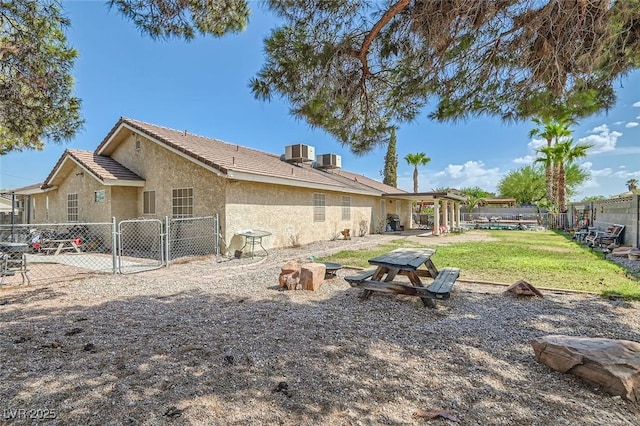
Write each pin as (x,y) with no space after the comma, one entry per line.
(192,237)
(140,245)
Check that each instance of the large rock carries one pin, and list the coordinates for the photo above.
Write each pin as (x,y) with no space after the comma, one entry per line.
(523,288)
(290,276)
(312,275)
(613,365)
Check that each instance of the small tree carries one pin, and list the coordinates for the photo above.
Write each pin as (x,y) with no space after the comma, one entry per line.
(632,184)
(418,159)
(391,162)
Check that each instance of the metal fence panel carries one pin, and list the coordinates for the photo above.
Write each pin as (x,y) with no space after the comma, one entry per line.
(193,236)
(140,245)
(57,252)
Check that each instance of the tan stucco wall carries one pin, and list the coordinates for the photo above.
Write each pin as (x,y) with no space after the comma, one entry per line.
(85,186)
(164,171)
(287,212)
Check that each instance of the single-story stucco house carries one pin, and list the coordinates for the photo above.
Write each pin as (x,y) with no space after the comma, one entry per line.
(142,170)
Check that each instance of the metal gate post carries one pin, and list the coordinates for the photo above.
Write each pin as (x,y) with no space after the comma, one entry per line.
(114,245)
(167,242)
(216,224)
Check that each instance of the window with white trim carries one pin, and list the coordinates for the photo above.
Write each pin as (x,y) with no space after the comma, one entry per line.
(72,207)
(346,207)
(149,202)
(182,202)
(319,203)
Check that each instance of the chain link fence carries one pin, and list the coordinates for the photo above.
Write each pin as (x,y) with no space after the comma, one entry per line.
(53,252)
(193,236)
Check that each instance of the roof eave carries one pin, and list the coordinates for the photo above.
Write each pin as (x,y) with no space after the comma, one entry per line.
(123,182)
(251,177)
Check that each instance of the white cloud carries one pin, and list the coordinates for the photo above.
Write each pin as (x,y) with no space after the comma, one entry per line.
(471,173)
(536,143)
(602,138)
(626,175)
(631,124)
(637,104)
(617,123)
(527,159)
(599,129)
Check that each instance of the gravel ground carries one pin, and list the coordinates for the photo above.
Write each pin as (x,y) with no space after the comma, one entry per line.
(218,343)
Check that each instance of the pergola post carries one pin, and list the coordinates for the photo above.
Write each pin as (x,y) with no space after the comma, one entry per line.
(457,209)
(436,217)
(446,214)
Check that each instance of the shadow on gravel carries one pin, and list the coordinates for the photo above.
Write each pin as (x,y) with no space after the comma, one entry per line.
(218,358)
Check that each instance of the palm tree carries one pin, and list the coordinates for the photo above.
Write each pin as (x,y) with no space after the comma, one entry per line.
(565,153)
(473,201)
(632,184)
(546,158)
(418,159)
(552,129)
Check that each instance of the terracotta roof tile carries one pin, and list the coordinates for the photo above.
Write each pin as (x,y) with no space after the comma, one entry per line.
(104,168)
(229,158)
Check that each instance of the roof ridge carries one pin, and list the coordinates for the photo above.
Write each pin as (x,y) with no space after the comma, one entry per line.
(231,144)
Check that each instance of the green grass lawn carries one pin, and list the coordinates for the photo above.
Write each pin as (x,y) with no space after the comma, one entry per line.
(544,259)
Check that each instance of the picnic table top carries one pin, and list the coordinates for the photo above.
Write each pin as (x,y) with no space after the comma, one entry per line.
(404,258)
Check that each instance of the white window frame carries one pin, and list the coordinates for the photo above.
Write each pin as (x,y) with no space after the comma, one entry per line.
(72,207)
(346,207)
(319,206)
(182,202)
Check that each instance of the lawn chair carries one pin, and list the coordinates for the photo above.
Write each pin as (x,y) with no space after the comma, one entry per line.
(610,237)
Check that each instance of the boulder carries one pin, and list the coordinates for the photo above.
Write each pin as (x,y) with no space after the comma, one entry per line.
(612,365)
(523,288)
(290,275)
(312,275)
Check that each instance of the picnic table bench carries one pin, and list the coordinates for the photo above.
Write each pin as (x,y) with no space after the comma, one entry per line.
(412,263)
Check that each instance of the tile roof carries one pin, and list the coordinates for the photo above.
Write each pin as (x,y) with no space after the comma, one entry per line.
(231,158)
(103,167)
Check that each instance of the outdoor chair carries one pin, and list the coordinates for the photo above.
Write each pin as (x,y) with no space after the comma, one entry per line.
(609,237)
(9,266)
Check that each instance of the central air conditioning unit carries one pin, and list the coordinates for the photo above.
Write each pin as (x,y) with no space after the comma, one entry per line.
(329,161)
(299,153)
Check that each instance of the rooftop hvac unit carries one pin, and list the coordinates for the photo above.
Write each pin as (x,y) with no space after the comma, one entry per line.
(329,161)
(299,153)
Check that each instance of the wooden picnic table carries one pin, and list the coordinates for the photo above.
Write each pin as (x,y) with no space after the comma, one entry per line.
(413,263)
(59,246)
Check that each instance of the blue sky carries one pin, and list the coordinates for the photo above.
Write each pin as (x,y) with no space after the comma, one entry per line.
(202,86)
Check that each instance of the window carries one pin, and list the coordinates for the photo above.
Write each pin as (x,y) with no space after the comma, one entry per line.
(346,207)
(72,207)
(149,202)
(318,207)
(99,196)
(182,202)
